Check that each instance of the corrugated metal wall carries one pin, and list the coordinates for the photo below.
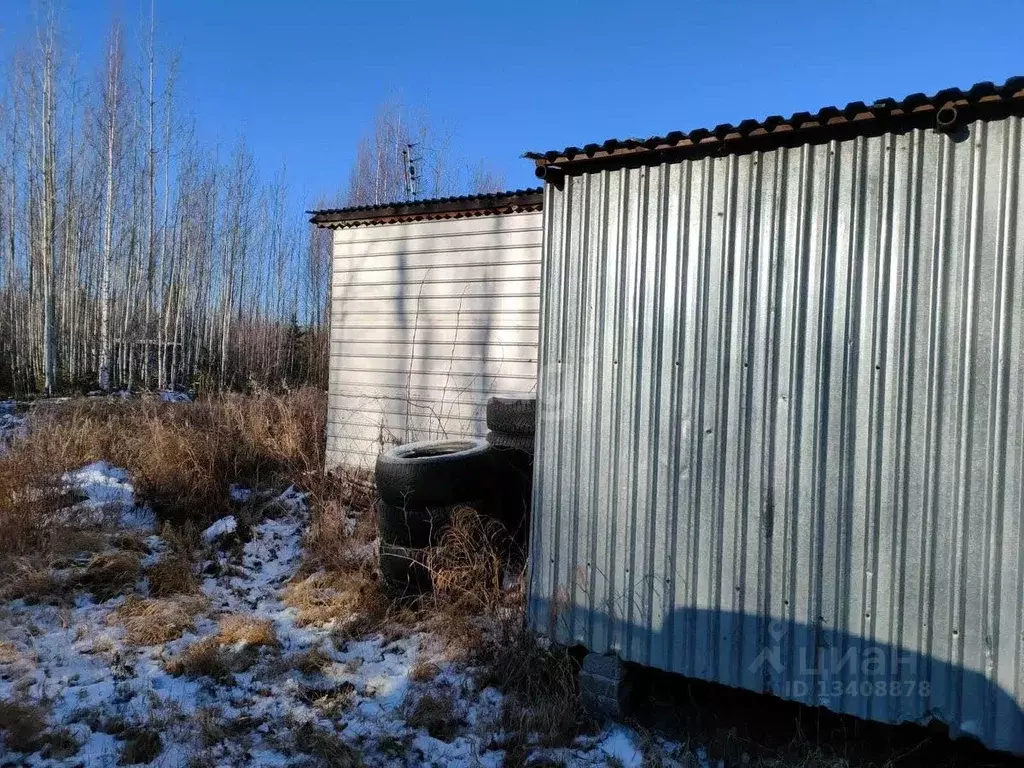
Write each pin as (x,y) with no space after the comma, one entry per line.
(428,320)
(780,441)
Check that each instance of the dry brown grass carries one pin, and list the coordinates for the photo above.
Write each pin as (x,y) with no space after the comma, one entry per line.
(149,621)
(203,658)
(424,671)
(8,653)
(142,744)
(309,662)
(349,598)
(331,497)
(466,566)
(172,575)
(237,629)
(436,712)
(324,746)
(32,583)
(110,575)
(182,458)
(23,724)
(75,542)
(235,648)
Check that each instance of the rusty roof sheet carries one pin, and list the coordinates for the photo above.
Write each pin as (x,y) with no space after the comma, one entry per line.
(514,201)
(855,118)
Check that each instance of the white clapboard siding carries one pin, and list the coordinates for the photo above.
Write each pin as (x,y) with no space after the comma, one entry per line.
(428,320)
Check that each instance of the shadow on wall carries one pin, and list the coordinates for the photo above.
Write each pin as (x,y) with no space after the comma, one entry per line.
(428,393)
(813,665)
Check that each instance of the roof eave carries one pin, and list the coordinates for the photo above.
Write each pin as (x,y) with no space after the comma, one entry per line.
(982,101)
(479,205)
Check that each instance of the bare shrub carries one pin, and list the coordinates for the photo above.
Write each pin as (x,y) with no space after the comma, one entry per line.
(157,620)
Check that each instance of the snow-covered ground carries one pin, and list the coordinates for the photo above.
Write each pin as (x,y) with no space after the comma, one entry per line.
(12,423)
(78,664)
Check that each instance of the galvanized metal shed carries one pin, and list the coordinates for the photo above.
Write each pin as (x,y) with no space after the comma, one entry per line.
(780,441)
(434,308)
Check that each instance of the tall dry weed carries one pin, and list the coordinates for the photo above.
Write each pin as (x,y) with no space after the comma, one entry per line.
(182,457)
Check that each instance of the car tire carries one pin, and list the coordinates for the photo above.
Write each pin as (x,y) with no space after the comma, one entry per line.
(512,442)
(435,473)
(512,415)
(406,526)
(403,570)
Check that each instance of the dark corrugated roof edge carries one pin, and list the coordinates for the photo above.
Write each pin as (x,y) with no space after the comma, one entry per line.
(856,118)
(514,201)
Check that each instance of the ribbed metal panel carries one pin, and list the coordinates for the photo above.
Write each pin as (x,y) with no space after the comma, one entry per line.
(428,320)
(781,434)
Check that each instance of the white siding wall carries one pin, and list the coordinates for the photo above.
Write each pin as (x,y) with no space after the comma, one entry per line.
(428,320)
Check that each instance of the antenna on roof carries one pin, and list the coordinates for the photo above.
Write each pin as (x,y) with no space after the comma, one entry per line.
(409,166)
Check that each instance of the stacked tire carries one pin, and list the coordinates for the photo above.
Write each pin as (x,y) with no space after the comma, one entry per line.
(511,422)
(418,485)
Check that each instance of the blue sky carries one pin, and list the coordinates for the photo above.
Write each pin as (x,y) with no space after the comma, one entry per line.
(302,79)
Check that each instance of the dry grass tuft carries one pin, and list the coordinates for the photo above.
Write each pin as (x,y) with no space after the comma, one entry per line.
(235,648)
(182,459)
(60,744)
(172,575)
(435,712)
(8,653)
(76,541)
(325,597)
(212,728)
(541,697)
(424,671)
(248,631)
(142,745)
(331,544)
(183,539)
(203,658)
(32,583)
(23,724)
(157,620)
(324,746)
(466,566)
(309,662)
(110,575)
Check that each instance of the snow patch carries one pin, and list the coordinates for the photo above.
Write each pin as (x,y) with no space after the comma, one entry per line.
(12,426)
(221,527)
(108,489)
(77,660)
(169,396)
(239,493)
